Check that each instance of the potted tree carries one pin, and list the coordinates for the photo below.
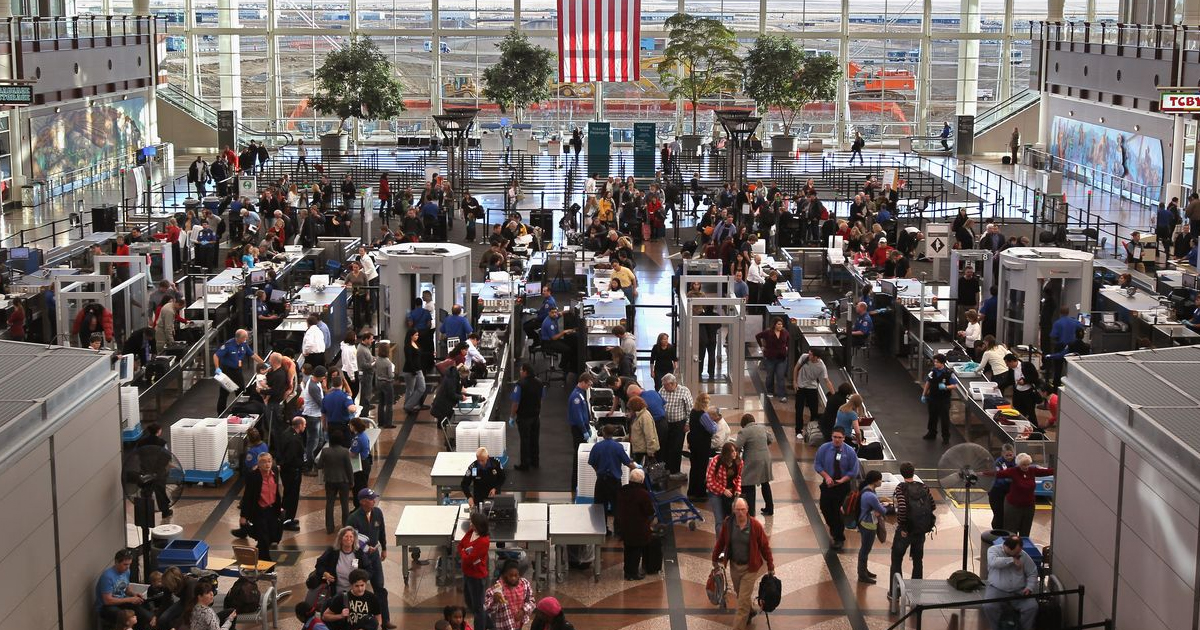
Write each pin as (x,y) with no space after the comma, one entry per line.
(521,77)
(356,82)
(780,75)
(699,61)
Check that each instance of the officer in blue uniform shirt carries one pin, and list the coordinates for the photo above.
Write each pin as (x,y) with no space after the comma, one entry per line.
(229,359)
(579,417)
(1194,322)
(484,478)
(555,339)
(533,325)
(863,326)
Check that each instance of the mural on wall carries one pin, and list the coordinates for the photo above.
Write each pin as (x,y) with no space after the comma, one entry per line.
(1108,151)
(66,141)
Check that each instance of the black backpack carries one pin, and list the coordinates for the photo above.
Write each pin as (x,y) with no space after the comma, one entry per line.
(770,591)
(244,596)
(918,508)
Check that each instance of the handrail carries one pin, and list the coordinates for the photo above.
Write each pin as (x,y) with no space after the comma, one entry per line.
(1141,194)
(207,114)
(1005,109)
(1078,591)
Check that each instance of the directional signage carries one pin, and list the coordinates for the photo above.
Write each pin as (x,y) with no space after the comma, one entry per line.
(643,149)
(16,94)
(937,241)
(1179,102)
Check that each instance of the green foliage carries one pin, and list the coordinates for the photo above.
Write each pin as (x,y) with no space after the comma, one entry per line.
(357,82)
(780,74)
(700,60)
(522,75)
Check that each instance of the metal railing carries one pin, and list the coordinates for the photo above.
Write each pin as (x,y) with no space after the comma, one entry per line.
(1005,110)
(207,114)
(1137,193)
(32,29)
(1157,36)
(1077,592)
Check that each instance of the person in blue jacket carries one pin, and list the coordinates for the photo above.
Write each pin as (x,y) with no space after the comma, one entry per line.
(1063,330)
(837,463)
(579,418)
(456,325)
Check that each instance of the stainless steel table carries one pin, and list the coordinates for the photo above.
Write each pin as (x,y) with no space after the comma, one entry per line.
(448,470)
(576,524)
(430,526)
(531,533)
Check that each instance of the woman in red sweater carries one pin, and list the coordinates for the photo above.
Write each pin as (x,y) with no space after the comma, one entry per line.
(1019,503)
(16,320)
(473,553)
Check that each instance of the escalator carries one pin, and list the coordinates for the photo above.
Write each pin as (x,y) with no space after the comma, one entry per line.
(204,122)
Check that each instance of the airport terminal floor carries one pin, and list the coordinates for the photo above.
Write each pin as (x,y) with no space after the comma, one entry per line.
(819,586)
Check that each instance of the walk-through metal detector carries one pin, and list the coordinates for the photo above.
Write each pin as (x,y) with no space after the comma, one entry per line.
(130,301)
(72,294)
(983,262)
(728,314)
(406,269)
(1030,274)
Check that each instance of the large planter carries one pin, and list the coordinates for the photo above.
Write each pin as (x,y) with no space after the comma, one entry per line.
(334,145)
(691,144)
(783,146)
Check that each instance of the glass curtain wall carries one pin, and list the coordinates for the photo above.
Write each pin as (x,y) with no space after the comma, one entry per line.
(909,64)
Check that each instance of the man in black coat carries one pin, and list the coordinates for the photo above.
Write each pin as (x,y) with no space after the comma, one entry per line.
(259,510)
(198,175)
(291,465)
(632,523)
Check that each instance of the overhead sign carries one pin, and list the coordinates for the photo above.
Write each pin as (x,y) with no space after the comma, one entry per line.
(16,94)
(599,140)
(1179,102)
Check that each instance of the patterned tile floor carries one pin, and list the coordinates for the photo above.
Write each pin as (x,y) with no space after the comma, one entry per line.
(819,587)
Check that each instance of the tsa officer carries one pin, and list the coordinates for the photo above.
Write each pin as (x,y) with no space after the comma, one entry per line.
(579,417)
(484,478)
(229,359)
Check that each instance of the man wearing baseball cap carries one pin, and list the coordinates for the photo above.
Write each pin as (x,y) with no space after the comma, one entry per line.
(368,521)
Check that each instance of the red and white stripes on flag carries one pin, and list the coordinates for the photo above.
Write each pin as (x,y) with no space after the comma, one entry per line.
(598,40)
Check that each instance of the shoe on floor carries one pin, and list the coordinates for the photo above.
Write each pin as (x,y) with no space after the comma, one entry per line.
(866,579)
(766,512)
(870,575)
(292,525)
(240,533)
(168,514)
(391,625)
(783,399)
(946,442)
(929,436)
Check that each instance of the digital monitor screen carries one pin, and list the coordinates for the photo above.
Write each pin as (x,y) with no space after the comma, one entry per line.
(18,253)
(1085,319)
(277,296)
(257,276)
(1190,281)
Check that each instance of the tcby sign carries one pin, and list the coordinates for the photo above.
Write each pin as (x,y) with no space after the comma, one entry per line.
(1178,103)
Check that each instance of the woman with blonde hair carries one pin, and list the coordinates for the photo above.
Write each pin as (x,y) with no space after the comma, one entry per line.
(847,418)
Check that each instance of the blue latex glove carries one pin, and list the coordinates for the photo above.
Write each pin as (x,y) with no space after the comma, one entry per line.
(922,400)
(217,372)
(942,386)
(511,422)
(587,436)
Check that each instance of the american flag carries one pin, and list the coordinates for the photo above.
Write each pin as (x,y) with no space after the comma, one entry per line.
(598,40)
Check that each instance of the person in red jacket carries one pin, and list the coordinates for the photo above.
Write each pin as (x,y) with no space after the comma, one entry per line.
(880,256)
(385,198)
(16,320)
(473,554)
(1019,503)
(93,318)
(744,546)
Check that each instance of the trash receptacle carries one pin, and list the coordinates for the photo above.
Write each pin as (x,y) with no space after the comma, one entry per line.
(988,538)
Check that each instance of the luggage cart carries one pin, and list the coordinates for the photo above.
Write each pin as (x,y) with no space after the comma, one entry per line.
(664,499)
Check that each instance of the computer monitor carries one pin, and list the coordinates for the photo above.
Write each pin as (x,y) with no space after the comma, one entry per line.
(257,276)
(18,253)
(277,296)
(1190,281)
(1085,319)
